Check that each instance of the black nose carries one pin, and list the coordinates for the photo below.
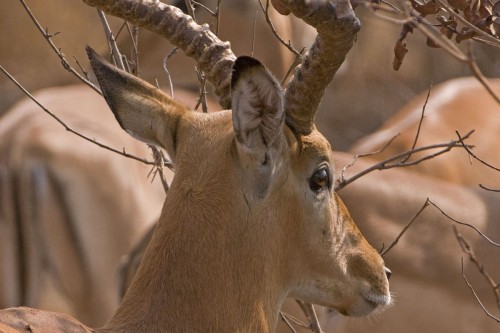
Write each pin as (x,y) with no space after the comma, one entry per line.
(388,272)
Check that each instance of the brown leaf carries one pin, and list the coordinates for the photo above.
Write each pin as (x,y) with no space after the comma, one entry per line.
(280,7)
(466,33)
(400,51)
(459,4)
(448,26)
(431,7)
(495,19)
(477,11)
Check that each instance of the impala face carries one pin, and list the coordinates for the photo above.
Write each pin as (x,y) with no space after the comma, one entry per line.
(340,269)
(267,190)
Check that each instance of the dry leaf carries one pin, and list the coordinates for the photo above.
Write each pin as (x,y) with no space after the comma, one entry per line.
(280,7)
(459,4)
(400,51)
(429,8)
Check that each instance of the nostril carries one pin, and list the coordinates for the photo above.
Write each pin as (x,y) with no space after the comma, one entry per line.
(388,272)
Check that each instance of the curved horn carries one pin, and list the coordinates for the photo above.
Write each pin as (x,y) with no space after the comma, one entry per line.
(337,27)
(212,56)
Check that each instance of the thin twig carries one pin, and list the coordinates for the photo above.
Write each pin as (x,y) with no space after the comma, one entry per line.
(134,36)
(488,188)
(420,122)
(254,31)
(217,17)
(211,12)
(467,249)
(168,164)
(202,98)
(295,320)
(287,322)
(310,313)
(489,240)
(276,34)
(406,227)
(460,139)
(395,161)
(165,68)
(361,155)
(159,163)
(479,75)
(57,50)
(113,47)
(477,297)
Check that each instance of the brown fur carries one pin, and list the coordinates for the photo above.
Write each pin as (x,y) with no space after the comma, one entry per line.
(223,258)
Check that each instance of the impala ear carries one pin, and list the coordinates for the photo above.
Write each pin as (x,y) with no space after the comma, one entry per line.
(142,110)
(257,104)
(258,116)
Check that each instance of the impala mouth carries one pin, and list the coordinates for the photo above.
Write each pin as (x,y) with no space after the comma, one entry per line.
(377,300)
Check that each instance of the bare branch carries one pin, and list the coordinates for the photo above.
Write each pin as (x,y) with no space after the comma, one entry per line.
(284,317)
(488,189)
(396,160)
(291,319)
(358,156)
(467,249)
(165,68)
(467,149)
(406,227)
(160,160)
(69,129)
(57,50)
(479,75)
(477,297)
(308,310)
(276,34)
(213,57)
(466,225)
(115,52)
(420,122)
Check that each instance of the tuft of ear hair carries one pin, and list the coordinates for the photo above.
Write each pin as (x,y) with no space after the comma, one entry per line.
(257,104)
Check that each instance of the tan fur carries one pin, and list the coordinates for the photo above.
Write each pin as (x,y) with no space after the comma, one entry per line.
(223,258)
(383,203)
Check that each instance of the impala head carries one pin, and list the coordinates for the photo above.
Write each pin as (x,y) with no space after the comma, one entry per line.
(271,187)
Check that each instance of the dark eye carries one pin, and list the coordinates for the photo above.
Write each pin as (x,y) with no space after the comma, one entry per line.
(320,180)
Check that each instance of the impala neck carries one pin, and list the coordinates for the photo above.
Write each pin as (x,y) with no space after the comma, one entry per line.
(201,271)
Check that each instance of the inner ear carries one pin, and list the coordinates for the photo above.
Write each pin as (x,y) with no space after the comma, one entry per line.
(257,104)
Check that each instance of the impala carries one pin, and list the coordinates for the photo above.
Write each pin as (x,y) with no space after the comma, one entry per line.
(428,283)
(251,216)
